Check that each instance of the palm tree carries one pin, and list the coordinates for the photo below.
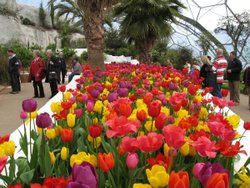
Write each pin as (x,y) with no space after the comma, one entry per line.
(146,21)
(51,8)
(93,23)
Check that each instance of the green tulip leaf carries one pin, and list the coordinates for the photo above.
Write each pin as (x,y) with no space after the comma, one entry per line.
(27,176)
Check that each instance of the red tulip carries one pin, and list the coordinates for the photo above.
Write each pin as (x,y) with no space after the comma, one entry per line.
(174,136)
(5,138)
(141,115)
(106,161)
(218,180)
(224,92)
(154,108)
(160,120)
(67,135)
(19,185)
(95,130)
(247,125)
(3,161)
(62,88)
(192,89)
(179,180)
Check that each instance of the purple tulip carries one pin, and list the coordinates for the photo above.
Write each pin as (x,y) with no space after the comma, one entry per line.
(23,115)
(78,86)
(99,88)
(95,93)
(43,120)
(29,105)
(83,176)
(204,173)
(122,92)
(112,97)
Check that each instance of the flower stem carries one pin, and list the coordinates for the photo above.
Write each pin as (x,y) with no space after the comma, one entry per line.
(30,135)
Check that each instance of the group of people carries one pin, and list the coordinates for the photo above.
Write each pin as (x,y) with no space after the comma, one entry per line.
(213,75)
(53,70)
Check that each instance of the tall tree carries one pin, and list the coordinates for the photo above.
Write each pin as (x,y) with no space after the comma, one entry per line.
(237,28)
(93,23)
(42,15)
(146,21)
(51,7)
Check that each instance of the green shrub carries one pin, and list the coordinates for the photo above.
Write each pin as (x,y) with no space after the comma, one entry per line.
(84,57)
(68,52)
(27,21)
(4,76)
(22,52)
(52,47)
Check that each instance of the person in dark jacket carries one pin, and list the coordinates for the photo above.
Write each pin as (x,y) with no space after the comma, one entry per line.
(76,68)
(37,68)
(233,75)
(246,80)
(52,68)
(63,68)
(13,69)
(206,72)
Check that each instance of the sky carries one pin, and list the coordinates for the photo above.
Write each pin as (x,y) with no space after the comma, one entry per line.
(201,10)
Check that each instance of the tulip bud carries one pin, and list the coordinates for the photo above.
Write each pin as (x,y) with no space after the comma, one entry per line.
(132,160)
(78,112)
(64,153)
(197,168)
(23,115)
(71,119)
(247,125)
(43,120)
(50,133)
(90,106)
(29,105)
(52,158)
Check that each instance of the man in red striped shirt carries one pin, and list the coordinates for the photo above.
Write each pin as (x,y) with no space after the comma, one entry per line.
(219,65)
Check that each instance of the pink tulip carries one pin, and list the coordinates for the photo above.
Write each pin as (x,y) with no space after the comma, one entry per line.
(205,147)
(132,161)
(174,136)
(23,115)
(197,168)
(90,106)
(78,112)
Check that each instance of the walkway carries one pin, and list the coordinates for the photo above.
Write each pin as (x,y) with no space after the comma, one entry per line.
(11,105)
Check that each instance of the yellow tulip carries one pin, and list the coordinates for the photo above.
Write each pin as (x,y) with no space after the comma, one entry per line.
(52,158)
(71,118)
(157,176)
(192,151)
(67,95)
(33,115)
(234,120)
(203,113)
(58,130)
(50,133)
(150,126)
(182,113)
(166,150)
(97,141)
(95,120)
(81,157)
(39,130)
(98,106)
(140,185)
(244,179)
(2,153)
(64,153)
(185,149)
(9,148)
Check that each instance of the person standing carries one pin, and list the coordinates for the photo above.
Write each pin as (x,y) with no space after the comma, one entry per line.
(219,65)
(233,75)
(52,68)
(246,80)
(37,69)
(208,75)
(13,69)
(63,67)
(76,68)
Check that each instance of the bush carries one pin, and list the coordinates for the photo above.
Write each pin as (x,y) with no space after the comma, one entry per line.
(27,21)
(52,47)
(22,52)
(4,76)
(68,52)
(84,57)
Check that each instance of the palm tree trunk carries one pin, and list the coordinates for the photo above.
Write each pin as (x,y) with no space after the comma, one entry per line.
(93,28)
(145,49)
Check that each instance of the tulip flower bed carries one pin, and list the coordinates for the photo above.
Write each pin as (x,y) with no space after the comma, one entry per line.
(138,126)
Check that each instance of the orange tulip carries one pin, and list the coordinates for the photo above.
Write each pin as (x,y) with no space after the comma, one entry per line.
(218,180)
(106,161)
(179,180)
